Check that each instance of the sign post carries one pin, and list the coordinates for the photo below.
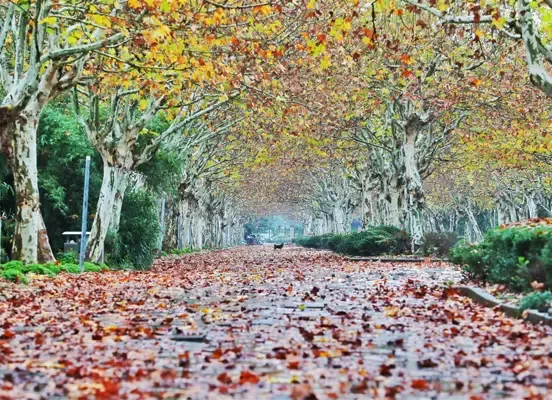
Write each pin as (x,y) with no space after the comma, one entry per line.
(162,223)
(84,213)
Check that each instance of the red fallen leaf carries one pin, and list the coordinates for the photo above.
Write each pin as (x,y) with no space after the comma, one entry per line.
(236,350)
(309,336)
(427,363)
(333,396)
(7,335)
(293,365)
(405,58)
(169,374)
(248,377)
(224,378)
(110,390)
(184,360)
(217,353)
(448,292)
(385,369)
(302,392)
(407,73)
(393,391)
(223,389)
(420,384)
(74,372)
(359,388)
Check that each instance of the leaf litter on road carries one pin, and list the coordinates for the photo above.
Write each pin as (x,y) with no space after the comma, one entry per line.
(289,324)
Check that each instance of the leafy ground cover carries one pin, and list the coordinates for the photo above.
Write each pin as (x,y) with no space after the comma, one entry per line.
(289,324)
(16,271)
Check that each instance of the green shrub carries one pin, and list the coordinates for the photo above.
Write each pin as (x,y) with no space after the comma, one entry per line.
(470,257)
(15,270)
(39,269)
(14,275)
(536,301)
(56,269)
(439,243)
(89,267)
(13,265)
(513,256)
(70,268)
(67,258)
(371,242)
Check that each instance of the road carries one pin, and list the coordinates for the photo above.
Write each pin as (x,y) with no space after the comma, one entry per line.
(257,323)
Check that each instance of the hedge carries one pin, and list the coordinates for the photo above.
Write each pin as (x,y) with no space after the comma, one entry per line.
(514,256)
(371,242)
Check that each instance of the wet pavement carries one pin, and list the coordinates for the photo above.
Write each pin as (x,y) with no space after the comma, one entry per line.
(253,322)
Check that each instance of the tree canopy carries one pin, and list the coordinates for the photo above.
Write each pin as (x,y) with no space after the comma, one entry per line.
(400,112)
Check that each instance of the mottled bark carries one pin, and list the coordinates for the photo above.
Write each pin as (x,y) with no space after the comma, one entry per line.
(25,173)
(114,181)
(45,254)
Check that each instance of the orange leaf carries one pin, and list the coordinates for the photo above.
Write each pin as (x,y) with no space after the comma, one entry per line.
(224,378)
(248,377)
(420,384)
(217,353)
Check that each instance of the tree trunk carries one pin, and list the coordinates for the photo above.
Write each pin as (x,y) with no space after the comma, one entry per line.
(531,206)
(25,174)
(114,179)
(395,212)
(118,202)
(44,250)
(472,223)
(339,218)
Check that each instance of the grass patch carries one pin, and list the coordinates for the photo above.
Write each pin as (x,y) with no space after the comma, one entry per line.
(16,271)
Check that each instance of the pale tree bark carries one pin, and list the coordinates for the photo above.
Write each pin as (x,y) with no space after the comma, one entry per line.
(43,66)
(25,173)
(475,233)
(116,139)
(45,254)
(115,179)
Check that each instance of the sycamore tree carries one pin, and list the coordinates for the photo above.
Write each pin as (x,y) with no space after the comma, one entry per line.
(203,207)
(48,47)
(117,138)
(522,20)
(374,91)
(45,46)
(200,56)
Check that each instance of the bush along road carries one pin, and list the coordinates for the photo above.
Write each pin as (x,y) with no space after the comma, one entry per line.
(254,322)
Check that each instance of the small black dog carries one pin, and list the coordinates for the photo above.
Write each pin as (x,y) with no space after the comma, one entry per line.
(278,246)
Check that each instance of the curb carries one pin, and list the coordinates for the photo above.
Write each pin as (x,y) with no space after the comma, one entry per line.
(483,297)
(388,259)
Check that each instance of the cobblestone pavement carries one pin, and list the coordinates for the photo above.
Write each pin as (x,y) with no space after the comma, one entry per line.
(256,323)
